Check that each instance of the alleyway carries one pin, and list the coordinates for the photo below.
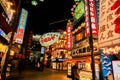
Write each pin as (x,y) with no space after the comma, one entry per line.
(47,74)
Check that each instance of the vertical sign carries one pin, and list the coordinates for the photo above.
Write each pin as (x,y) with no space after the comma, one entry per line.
(79,10)
(92,17)
(69,37)
(106,64)
(107,35)
(21,26)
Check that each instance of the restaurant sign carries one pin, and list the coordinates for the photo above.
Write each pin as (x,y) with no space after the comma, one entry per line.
(48,39)
(21,26)
(108,29)
(92,19)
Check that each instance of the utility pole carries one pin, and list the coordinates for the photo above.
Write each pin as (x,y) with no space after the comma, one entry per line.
(4,68)
(91,42)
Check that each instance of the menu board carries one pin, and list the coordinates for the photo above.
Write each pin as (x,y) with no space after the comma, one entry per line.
(116,69)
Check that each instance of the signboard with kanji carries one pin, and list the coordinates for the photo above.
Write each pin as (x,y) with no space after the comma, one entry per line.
(21,26)
(108,34)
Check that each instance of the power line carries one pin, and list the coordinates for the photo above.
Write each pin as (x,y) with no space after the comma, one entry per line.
(60,21)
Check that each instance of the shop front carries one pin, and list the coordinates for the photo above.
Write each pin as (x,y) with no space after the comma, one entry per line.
(58,64)
(84,67)
(82,55)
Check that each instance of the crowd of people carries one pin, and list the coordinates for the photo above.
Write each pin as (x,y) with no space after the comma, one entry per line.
(37,64)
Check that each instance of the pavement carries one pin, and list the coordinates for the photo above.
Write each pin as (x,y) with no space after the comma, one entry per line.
(47,74)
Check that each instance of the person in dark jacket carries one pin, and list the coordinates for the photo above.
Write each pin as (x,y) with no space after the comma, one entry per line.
(20,65)
(75,72)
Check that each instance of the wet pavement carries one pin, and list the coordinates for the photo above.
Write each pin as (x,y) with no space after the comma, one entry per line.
(47,74)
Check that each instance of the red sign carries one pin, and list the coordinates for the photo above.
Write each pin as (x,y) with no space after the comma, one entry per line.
(92,18)
(69,37)
(49,38)
(116,5)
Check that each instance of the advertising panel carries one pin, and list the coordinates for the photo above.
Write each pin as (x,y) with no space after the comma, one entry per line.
(3,34)
(49,38)
(79,10)
(108,34)
(21,26)
(69,37)
(42,50)
(106,64)
(92,16)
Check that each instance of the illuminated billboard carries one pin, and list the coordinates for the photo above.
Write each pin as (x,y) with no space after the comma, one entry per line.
(69,43)
(92,15)
(42,50)
(49,38)
(3,34)
(108,37)
(79,10)
(21,26)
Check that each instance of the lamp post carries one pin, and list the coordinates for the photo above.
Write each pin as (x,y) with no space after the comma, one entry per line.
(5,64)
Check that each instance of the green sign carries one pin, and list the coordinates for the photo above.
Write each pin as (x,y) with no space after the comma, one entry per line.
(79,10)
(34,2)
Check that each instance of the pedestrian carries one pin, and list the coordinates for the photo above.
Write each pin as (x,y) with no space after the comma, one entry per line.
(42,66)
(75,72)
(20,65)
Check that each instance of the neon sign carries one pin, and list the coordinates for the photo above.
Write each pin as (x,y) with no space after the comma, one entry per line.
(69,37)
(92,19)
(3,34)
(49,38)
(7,6)
(21,26)
(79,10)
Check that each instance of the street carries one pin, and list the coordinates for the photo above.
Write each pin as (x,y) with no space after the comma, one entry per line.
(47,74)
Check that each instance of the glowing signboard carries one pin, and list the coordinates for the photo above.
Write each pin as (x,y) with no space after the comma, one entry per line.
(69,37)
(42,50)
(107,35)
(49,38)
(93,17)
(21,26)
(79,10)
(8,8)
(3,34)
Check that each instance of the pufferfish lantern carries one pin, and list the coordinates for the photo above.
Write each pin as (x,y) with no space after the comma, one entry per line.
(116,5)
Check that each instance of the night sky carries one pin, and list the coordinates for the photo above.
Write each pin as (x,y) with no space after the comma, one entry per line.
(48,16)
